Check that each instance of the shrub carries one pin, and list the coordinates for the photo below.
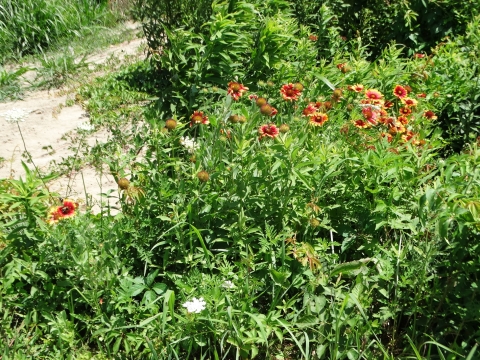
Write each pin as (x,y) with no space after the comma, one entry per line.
(419,25)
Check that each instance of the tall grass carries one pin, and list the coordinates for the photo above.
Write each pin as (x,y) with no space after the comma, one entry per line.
(30,26)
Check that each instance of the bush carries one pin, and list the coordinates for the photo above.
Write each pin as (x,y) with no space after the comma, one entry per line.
(419,25)
(452,70)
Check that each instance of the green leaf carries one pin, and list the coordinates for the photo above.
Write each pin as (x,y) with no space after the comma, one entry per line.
(349,267)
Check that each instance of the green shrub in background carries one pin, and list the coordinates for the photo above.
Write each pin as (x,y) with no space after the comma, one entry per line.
(417,24)
(453,71)
(30,26)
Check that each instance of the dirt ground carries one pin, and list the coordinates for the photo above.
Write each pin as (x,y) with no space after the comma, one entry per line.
(46,130)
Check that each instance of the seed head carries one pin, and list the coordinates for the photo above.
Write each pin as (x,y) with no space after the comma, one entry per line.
(298,86)
(284,128)
(261,101)
(170,124)
(123,184)
(203,176)
(234,119)
(266,109)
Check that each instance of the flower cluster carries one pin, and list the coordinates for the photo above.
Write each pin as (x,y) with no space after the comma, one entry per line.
(195,306)
(190,144)
(15,115)
(66,210)
(374,111)
(316,112)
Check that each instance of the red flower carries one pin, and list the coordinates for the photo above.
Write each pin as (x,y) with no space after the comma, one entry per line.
(373,94)
(313,37)
(362,124)
(62,212)
(430,115)
(236,90)
(400,92)
(357,88)
(370,115)
(253,97)
(68,209)
(268,130)
(409,102)
(419,56)
(290,92)
(318,118)
(198,117)
(388,104)
(422,95)
(310,109)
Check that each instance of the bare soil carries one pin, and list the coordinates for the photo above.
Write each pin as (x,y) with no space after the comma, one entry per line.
(47,131)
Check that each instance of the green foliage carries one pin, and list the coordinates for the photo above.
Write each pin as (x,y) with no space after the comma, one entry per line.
(453,71)
(417,24)
(345,239)
(31,26)
(9,83)
(56,70)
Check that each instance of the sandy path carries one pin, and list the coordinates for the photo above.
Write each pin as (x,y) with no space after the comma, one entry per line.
(46,129)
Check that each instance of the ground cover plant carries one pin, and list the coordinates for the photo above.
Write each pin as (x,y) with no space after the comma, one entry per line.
(273,205)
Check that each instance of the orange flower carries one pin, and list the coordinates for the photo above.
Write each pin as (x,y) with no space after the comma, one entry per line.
(313,37)
(385,120)
(403,120)
(400,92)
(236,90)
(418,56)
(422,95)
(430,115)
(405,111)
(397,129)
(373,94)
(362,124)
(408,136)
(409,102)
(198,117)
(268,130)
(318,118)
(290,92)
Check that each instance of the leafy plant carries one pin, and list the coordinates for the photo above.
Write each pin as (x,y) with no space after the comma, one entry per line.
(9,84)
